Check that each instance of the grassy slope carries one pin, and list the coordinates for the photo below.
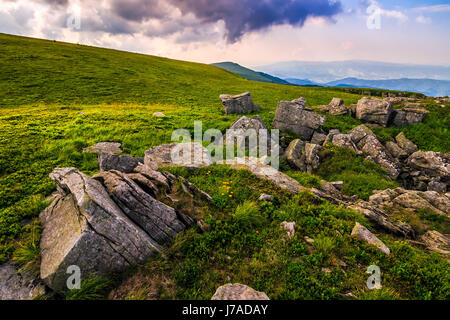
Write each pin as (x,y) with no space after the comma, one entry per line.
(57,98)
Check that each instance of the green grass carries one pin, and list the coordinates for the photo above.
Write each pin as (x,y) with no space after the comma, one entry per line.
(58,98)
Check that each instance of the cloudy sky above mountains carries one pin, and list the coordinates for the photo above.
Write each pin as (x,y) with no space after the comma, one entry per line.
(251,32)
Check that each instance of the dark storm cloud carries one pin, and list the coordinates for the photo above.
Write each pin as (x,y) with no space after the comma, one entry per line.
(240,16)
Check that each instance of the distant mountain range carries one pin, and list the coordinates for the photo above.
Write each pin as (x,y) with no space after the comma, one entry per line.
(429,80)
(248,73)
(324,72)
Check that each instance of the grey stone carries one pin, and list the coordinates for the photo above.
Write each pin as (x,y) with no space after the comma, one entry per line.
(177,154)
(105,147)
(405,144)
(15,285)
(411,114)
(266,197)
(318,138)
(362,233)
(295,154)
(241,103)
(293,117)
(374,111)
(125,164)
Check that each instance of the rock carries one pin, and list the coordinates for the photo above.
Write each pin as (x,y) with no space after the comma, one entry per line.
(266,197)
(338,185)
(105,147)
(318,138)
(437,242)
(125,164)
(374,111)
(159,114)
(408,115)
(326,270)
(337,107)
(395,150)
(241,103)
(362,233)
(266,172)
(238,292)
(345,140)
(312,158)
(161,222)
(85,227)
(295,154)
(18,286)
(309,240)
(376,215)
(331,134)
(293,117)
(437,186)
(405,144)
(177,154)
(412,199)
(245,124)
(433,164)
(368,143)
(289,227)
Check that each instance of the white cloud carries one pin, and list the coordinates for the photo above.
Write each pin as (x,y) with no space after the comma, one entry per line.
(434,9)
(423,20)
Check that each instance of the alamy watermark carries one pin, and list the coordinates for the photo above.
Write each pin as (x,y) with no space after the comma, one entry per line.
(73,21)
(74,280)
(374,19)
(374,281)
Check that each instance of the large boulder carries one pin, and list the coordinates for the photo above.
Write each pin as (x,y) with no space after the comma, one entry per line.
(241,103)
(292,116)
(411,114)
(374,110)
(238,291)
(312,157)
(177,154)
(107,223)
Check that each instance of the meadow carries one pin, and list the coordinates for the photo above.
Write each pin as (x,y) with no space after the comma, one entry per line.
(58,98)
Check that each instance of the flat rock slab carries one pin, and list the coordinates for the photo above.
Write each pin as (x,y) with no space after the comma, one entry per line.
(238,291)
(362,233)
(177,154)
(105,147)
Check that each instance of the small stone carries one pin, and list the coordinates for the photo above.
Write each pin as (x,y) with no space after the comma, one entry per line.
(362,233)
(309,240)
(289,227)
(266,197)
(338,185)
(105,147)
(238,291)
(159,114)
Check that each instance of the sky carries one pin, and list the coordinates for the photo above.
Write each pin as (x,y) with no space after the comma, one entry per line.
(250,32)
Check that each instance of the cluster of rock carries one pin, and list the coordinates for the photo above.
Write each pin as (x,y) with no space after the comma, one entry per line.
(114,220)
(378,111)
(241,103)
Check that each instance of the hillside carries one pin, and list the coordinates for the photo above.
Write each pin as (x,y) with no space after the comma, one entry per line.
(248,73)
(57,99)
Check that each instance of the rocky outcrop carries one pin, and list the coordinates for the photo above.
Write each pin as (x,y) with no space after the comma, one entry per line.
(241,103)
(362,233)
(411,199)
(177,154)
(292,116)
(366,141)
(105,147)
(125,164)
(374,110)
(112,221)
(15,285)
(238,291)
